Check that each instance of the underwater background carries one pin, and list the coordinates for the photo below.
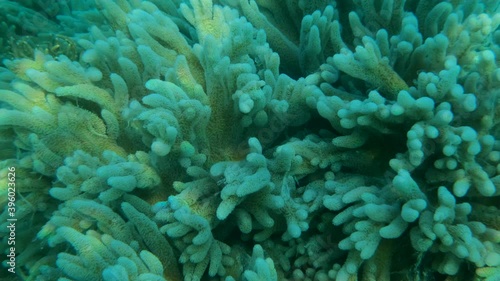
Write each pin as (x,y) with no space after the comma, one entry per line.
(250,140)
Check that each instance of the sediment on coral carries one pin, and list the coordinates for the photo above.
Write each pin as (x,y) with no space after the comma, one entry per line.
(250,140)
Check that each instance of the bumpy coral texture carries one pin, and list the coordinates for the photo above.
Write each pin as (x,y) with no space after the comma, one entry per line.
(252,139)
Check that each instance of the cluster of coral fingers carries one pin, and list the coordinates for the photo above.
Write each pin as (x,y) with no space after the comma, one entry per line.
(250,140)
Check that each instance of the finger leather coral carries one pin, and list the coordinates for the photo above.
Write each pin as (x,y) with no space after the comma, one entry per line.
(250,140)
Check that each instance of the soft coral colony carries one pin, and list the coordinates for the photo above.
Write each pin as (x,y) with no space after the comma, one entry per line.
(252,140)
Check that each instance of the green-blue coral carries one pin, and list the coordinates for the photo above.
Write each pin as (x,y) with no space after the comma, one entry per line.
(250,140)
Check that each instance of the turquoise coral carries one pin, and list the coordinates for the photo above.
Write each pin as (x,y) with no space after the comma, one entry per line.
(251,139)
